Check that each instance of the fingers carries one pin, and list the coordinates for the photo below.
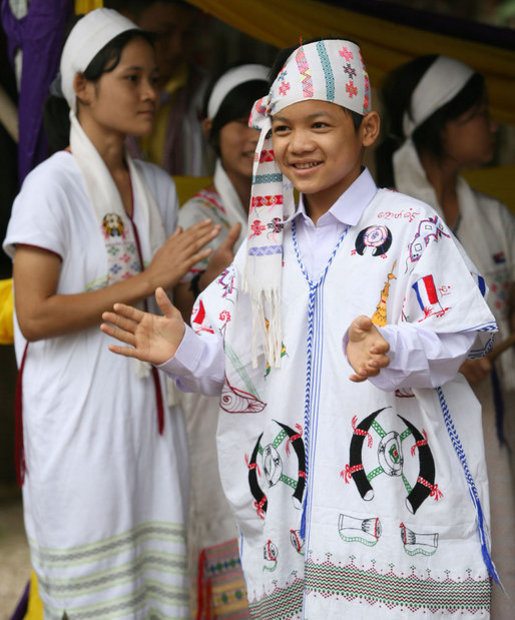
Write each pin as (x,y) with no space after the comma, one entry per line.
(232,236)
(120,321)
(119,334)
(125,351)
(164,303)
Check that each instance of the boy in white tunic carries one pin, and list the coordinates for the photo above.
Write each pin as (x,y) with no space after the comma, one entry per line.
(350,454)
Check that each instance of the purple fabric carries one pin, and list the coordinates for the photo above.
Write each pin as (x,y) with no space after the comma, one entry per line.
(40,36)
(21,608)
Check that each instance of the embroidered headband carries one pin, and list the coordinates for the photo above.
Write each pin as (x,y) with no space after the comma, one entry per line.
(87,38)
(441,82)
(330,70)
(229,80)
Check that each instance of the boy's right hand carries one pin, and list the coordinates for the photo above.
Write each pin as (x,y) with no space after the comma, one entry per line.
(179,252)
(152,338)
(366,349)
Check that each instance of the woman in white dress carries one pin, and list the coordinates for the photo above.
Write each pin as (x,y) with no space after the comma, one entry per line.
(101,456)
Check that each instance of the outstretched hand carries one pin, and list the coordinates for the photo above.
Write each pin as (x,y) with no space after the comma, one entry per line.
(151,338)
(366,349)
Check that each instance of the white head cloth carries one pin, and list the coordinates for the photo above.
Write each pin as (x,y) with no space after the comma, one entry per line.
(229,80)
(329,70)
(441,82)
(87,38)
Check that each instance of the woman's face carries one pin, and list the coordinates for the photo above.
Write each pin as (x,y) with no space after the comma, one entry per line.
(124,100)
(469,140)
(238,142)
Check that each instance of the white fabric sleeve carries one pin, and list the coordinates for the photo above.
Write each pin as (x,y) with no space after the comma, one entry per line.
(419,358)
(198,363)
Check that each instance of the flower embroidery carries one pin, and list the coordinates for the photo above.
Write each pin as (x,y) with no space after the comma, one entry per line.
(257,228)
(349,70)
(351,89)
(346,53)
(284,88)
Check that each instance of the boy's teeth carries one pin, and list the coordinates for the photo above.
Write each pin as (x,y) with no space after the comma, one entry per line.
(311,165)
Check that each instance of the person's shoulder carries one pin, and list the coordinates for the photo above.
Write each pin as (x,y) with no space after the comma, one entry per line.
(57,173)
(391,204)
(154,174)
(488,204)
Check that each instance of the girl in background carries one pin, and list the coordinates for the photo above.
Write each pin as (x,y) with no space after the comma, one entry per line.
(212,535)
(438,124)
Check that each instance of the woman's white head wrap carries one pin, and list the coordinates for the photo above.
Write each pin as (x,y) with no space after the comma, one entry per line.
(87,38)
(330,70)
(441,82)
(229,80)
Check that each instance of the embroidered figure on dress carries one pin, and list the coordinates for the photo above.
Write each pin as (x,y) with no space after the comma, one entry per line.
(198,320)
(432,228)
(297,541)
(366,531)
(427,297)
(273,467)
(379,316)
(270,555)
(234,400)
(379,238)
(391,460)
(415,544)
(113,225)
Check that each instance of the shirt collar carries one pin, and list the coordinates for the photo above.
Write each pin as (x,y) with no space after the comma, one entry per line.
(349,207)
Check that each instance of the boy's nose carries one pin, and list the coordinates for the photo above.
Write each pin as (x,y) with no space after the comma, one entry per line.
(301,142)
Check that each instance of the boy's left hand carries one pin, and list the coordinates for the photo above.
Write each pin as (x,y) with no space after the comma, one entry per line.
(366,349)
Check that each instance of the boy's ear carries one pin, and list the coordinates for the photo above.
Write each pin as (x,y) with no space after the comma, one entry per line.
(83,89)
(369,128)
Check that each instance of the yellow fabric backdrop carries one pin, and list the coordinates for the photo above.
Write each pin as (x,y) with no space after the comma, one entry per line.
(385,45)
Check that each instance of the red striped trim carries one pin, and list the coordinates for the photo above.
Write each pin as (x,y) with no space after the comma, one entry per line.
(155,373)
(19,450)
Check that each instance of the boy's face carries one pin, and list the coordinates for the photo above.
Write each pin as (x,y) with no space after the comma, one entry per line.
(318,149)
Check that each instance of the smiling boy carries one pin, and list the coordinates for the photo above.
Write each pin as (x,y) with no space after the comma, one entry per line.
(348,450)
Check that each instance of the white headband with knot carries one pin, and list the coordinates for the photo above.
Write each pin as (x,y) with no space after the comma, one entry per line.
(229,80)
(330,70)
(441,82)
(91,33)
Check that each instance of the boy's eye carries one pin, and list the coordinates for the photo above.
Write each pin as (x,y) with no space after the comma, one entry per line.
(281,129)
(132,77)
(319,125)
(154,80)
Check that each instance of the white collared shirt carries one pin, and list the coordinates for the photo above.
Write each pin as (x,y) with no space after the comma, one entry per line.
(418,357)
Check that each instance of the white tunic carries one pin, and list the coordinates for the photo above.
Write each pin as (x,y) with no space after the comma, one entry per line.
(353,501)
(105,494)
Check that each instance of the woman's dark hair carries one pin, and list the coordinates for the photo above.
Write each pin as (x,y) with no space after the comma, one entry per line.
(56,122)
(284,54)
(108,58)
(236,104)
(396,96)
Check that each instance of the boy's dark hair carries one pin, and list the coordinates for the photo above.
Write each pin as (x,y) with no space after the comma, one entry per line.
(282,57)
(235,105)
(396,94)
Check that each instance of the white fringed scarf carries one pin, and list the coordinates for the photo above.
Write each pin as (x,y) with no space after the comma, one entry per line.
(329,70)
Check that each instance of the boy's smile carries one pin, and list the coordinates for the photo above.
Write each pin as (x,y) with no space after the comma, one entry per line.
(317,147)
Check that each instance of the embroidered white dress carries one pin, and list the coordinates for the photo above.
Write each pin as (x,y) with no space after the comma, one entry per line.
(354,502)
(105,495)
